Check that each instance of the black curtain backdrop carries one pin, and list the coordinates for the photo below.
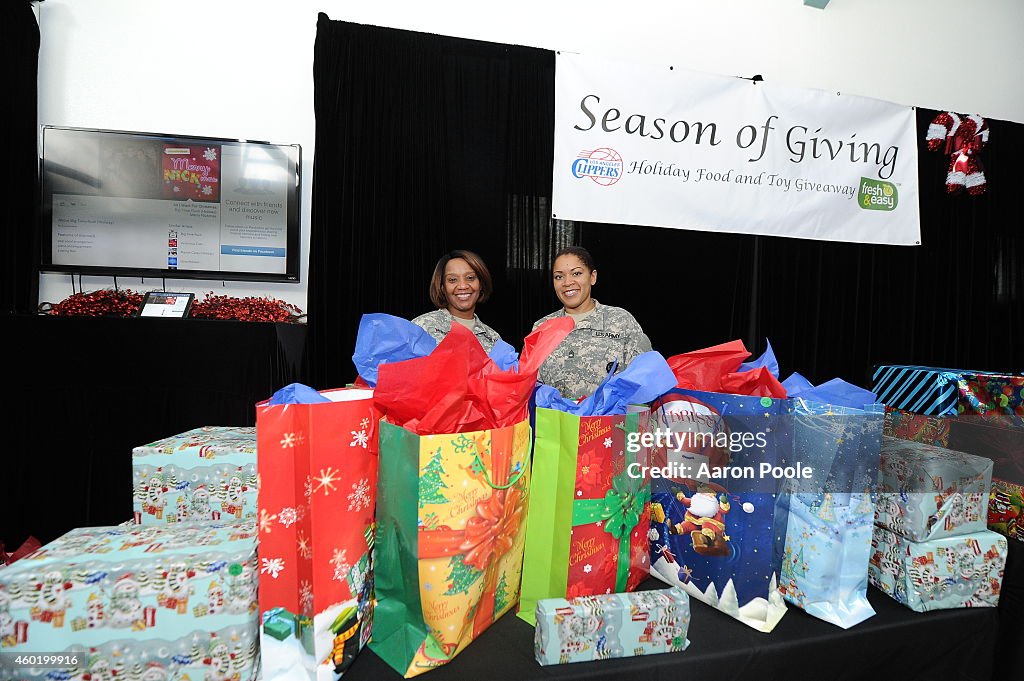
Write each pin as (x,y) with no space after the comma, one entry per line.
(426,143)
(19,61)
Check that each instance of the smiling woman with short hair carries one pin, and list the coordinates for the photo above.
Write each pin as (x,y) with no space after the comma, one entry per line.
(461,280)
(604,335)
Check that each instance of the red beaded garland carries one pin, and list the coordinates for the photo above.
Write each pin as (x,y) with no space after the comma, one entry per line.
(125,303)
(102,303)
(250,309)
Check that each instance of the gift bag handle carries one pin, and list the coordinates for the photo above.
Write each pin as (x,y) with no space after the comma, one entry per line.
(478,464)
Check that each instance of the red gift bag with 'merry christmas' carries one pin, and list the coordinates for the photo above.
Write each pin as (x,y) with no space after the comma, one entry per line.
(589,513)
(317,464)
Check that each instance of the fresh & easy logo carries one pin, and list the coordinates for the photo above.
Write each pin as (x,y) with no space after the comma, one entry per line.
(877,194)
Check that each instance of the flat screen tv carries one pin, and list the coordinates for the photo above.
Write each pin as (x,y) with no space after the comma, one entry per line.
(157,205)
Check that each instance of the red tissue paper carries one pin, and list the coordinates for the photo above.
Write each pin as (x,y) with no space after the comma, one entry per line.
(715,369)
(27,547)
(457,388)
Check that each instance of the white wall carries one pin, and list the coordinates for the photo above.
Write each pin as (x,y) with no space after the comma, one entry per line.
(228,68)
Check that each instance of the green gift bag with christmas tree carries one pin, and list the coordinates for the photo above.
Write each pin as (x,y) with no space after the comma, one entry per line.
(452,495)
(450,536)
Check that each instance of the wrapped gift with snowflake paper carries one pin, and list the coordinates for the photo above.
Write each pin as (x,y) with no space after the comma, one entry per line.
(207,473)
(168,601)
(318,473)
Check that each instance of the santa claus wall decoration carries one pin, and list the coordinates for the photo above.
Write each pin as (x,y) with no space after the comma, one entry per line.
(961,137)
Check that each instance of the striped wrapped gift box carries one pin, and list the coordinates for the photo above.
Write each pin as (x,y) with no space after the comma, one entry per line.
(934,391)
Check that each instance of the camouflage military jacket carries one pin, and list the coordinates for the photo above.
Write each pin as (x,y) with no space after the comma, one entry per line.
(439,322)
(584,358)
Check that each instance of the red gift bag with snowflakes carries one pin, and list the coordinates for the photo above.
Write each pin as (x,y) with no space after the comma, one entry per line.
(318,476)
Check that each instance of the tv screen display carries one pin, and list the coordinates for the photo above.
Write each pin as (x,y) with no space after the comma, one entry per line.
(172,206)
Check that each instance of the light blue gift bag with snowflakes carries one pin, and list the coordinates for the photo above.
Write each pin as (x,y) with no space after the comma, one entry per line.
(830,517)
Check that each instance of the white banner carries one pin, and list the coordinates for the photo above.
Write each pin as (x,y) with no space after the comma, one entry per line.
(654,145)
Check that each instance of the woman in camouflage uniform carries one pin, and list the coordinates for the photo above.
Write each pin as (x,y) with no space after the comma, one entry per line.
(460,281)
(603,334)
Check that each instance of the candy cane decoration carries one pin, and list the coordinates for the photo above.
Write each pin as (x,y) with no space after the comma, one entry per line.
(961,137)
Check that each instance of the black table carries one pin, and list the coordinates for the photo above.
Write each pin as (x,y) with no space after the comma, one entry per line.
(81,392)
(896,644)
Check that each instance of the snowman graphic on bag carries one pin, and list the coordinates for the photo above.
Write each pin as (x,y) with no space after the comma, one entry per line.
(182,509)
(218,659)
(53,602)
(154,672)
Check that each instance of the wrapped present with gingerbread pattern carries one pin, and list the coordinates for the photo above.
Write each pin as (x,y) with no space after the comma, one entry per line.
(938,574)
(927,492)
(589,509)
(170,600)
(207,473)
(611,625)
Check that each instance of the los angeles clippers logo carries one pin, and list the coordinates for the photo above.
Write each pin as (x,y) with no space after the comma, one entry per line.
(603,166)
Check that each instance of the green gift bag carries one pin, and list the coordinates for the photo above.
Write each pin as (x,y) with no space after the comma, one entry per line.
(451,513)
(589,510)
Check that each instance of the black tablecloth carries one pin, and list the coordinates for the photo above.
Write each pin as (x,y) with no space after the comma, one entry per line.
(896,644)
(82,392)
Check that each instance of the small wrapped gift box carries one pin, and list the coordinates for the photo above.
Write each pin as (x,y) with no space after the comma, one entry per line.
(934,391)
(939,574)
(1006,509)
(927,492)
(130,595)
(611,625)
(203,474)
